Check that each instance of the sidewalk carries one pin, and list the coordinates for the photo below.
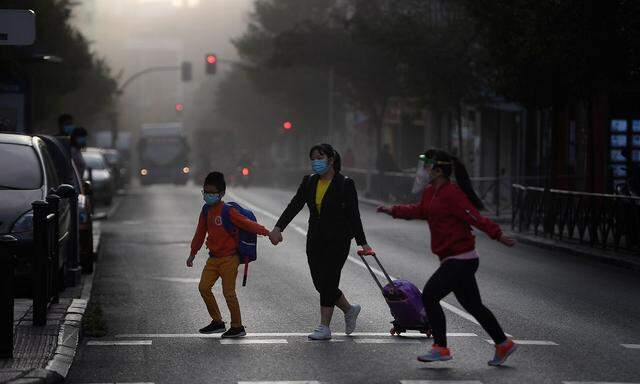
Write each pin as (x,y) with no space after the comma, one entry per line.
(608,256)
(45,354)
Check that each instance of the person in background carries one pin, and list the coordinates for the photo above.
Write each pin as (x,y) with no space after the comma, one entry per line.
(65,125)
(78,142)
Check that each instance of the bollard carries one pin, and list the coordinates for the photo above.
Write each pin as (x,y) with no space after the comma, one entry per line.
(74,271)
(7,265)
(54,233)
(40,262)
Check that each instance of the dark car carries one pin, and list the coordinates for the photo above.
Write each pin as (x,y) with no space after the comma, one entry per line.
(28,174)
(100,175)
(59,149)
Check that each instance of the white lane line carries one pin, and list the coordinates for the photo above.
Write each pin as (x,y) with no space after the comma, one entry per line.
(303,232)
(247,341)
(279,382)
(286,334)
(631,346)
(528,342)
(178,279)
(120,342)
(440,382)
(387,341)
(596,382)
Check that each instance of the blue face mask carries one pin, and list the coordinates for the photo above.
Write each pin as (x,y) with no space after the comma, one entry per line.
(68,128)
(211,198)
(320,166)
(82,141)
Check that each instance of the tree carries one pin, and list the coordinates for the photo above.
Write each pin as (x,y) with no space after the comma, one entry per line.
(82,84)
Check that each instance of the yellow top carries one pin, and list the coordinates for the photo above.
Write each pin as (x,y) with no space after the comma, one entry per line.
(323,185)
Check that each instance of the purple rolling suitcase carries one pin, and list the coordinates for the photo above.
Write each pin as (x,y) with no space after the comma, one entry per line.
(404,300)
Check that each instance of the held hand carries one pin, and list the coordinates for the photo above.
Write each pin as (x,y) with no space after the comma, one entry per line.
(508,241)
(384,209)
(190,261)
(366,251)
(275,236)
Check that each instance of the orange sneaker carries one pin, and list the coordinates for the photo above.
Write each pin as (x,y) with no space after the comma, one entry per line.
(503,351)
(437,353)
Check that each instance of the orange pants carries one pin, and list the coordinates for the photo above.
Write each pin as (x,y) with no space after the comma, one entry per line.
(227,269)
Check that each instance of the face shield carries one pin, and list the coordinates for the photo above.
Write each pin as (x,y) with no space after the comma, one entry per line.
(422,176)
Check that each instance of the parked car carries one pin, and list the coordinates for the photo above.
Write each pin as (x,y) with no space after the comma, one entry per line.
(118,168)
(58,148)
(100,176)
(28,174)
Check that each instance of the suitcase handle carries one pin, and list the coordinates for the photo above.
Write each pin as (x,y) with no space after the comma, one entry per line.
(362,254)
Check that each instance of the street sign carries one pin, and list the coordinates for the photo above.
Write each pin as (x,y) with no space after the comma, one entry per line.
(17,27)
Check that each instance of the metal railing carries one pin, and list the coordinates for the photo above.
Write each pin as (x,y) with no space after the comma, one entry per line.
(47,281)
(599,220)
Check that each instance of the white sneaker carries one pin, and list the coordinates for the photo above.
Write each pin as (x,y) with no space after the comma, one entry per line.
(350,318)
(322,332)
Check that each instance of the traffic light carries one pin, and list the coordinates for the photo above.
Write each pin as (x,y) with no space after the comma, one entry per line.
(186,71)
(210,63)
(287,125)
(179,107)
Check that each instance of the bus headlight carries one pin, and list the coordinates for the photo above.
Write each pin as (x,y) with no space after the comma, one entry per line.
(186,170)
(144,172)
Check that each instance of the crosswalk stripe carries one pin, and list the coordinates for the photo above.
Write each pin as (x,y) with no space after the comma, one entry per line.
(387,341)
(119,342)
(631,346)
(529,342)
(248,341)
(440,382)
(284,334)
(279,382)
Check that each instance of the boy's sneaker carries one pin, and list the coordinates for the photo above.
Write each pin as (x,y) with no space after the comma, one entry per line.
(214,327)
(322,332)
(437,353)
(234,332)
(503,351)
(350,318)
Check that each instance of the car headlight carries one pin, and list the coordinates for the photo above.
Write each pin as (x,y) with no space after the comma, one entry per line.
(24,224)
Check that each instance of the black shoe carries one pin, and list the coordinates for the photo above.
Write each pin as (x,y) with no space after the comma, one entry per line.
(234,332)
(214,327)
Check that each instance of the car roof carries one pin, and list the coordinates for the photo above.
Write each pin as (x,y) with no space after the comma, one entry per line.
(16,138)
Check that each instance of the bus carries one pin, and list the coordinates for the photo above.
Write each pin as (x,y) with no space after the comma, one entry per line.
(163,154)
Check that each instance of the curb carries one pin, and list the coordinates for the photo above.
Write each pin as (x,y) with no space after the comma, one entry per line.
(610,258)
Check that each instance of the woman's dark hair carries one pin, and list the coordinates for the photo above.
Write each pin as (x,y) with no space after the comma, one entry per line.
(450,164)
(217,180)
(327,150)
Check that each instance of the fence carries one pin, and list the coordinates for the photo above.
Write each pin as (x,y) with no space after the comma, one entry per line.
(599,220)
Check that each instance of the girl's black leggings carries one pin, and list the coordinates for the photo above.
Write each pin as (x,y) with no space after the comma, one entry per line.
(457,276)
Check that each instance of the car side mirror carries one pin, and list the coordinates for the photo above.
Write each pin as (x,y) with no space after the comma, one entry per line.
(87,187)
(65,191)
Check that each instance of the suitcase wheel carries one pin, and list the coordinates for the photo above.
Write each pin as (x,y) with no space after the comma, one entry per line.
(396,331)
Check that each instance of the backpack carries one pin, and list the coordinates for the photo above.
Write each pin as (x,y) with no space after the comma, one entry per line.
(246,241)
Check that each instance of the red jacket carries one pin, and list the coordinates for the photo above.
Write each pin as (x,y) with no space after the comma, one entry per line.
(450,215)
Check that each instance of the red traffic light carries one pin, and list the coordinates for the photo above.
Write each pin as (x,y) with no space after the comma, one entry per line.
(212,59)
(287,125)
(245,171)
(179,107)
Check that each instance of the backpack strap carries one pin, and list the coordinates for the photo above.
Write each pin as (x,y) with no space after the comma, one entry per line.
(205,214)
(227,224)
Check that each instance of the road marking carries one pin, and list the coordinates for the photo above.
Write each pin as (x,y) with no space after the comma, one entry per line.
(279,382)
(596,382)
(137,382)
(120,342)
(245,341)
(440,382)
(631,346)
(528,342)
(387,341)
(286,334)
(178,279)
(303,232)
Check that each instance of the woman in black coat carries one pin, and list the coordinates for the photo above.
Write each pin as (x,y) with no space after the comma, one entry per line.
(333,221)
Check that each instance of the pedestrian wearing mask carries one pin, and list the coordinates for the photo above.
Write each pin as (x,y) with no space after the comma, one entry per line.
(333,221)
(450,210)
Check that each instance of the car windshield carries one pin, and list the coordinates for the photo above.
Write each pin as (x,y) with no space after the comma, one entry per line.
(94,160)
(24,172)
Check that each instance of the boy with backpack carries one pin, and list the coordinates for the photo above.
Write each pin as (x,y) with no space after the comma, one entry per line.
(227,227)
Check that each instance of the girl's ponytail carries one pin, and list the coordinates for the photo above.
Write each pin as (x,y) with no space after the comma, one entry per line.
(464,182)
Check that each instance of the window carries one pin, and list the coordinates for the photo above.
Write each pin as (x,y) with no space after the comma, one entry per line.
(618,141)
(619,126)
(24,172)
